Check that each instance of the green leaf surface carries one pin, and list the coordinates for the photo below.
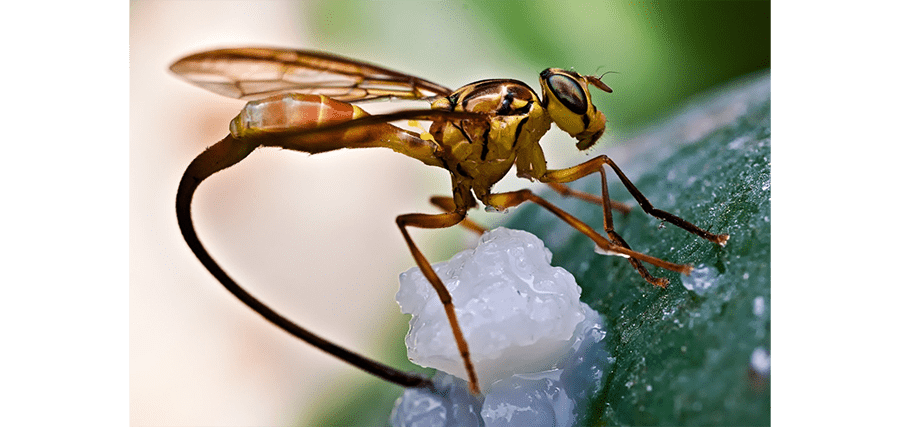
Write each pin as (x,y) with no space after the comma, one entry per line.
(683,357)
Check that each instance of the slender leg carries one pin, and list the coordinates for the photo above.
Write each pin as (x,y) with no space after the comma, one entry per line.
(617,239)
(447,204)
(444,220)
(507,200)
(565,191)
(221,156)
(596,164)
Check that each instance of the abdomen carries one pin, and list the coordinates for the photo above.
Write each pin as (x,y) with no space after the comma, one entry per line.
(291,111)
(283,120)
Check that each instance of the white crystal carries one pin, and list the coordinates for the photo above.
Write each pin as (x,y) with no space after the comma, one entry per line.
(517,312)
(557,396)
(538,350)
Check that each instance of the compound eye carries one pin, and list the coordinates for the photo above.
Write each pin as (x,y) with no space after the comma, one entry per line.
(568,92)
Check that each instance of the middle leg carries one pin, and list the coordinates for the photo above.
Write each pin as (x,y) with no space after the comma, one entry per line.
(596,165)
(606,203)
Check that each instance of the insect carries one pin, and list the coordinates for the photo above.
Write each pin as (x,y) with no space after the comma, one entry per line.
(305,101)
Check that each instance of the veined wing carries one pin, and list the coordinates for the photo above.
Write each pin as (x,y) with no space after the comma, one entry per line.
(255,73)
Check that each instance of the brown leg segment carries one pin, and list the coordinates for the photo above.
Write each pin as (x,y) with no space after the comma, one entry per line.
(617,239)
(596,165)
(507,200)
(447,204)
(565,191)
(607,205)
(440,221)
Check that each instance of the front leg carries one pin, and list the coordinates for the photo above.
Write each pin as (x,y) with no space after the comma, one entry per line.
(596,165)
(503,201)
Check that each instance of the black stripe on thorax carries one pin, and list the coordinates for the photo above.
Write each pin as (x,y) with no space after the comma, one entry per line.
(519,131)
(484,143)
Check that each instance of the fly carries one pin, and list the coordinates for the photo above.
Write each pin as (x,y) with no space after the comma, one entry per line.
(306,101)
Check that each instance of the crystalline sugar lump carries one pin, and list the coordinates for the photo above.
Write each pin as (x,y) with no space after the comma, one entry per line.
(517,312)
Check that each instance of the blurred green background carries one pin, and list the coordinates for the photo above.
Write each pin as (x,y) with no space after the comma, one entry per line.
(663,52)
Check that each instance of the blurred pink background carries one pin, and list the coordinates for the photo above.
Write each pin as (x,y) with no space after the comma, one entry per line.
(313,237)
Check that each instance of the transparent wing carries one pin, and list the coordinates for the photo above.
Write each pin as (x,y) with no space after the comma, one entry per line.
(254,73)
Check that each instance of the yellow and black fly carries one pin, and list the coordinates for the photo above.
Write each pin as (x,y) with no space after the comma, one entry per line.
(304,101)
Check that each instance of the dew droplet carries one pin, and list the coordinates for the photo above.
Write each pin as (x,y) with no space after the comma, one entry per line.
(759,306)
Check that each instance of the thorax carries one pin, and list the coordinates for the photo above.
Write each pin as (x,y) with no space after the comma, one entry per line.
(480,154)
